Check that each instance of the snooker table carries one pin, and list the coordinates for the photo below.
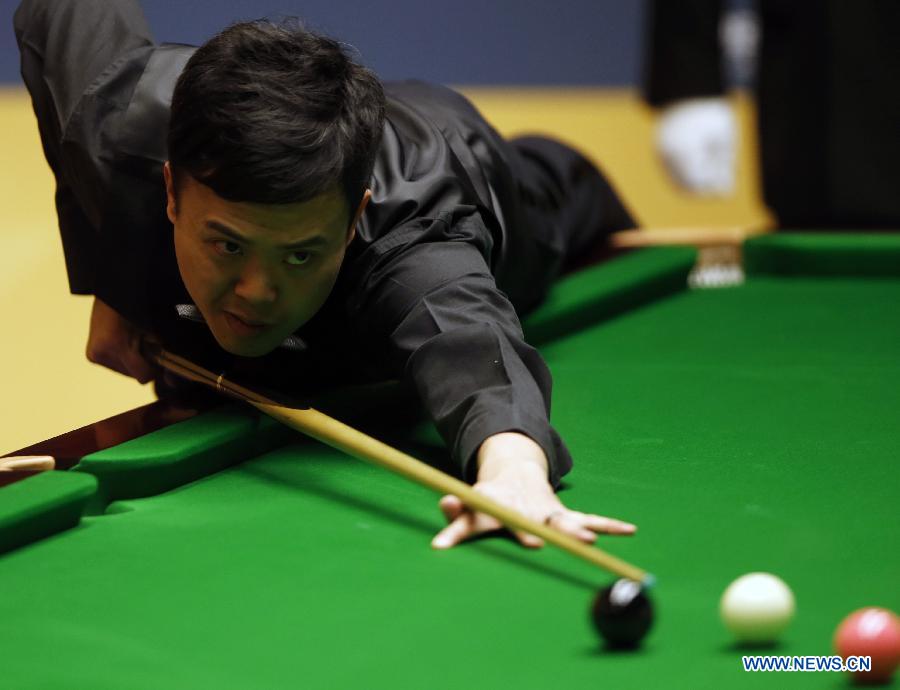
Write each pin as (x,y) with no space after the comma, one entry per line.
(747,428)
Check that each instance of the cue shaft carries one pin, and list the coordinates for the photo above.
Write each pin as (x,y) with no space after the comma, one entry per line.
(360,445)
(194,372)
(353,442)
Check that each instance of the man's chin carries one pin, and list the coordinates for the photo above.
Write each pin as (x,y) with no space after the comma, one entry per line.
(244,347)
(247,351)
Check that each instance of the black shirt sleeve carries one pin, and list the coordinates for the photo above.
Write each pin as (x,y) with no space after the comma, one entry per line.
(436,315)
(81,61)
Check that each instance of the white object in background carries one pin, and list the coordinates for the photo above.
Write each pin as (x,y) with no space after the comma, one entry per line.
(697,140)
(739,34)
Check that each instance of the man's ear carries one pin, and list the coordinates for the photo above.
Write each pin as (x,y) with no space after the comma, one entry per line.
(351,233)
(171,208)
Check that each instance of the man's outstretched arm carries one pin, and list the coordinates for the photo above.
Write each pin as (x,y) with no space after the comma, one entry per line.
(455,337)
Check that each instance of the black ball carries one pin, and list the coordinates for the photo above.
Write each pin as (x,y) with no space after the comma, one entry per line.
(622,614)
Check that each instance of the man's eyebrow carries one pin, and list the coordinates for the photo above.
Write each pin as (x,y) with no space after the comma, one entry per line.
(313,241)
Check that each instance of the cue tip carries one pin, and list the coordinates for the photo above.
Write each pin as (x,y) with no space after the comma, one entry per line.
(649,581)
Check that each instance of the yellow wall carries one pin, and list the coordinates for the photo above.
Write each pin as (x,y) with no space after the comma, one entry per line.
(48,385)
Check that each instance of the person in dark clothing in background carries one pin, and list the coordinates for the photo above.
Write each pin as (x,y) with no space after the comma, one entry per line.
(828,111)
(264,203)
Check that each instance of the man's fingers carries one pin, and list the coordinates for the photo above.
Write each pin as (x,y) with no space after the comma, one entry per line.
(460,523)
(586,536)
(607,525)
(125,362)
(451,507)
(464,523)
(454,533)
(138,367)
(529,540)
(104,358)
(585,526)
(114,343)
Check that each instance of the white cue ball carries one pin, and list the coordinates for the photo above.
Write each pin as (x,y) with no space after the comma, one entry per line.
(757,607)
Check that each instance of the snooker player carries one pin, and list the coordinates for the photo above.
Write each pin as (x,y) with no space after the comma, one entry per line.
(265,204)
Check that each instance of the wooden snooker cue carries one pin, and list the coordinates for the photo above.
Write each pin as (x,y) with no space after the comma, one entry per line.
(353,442)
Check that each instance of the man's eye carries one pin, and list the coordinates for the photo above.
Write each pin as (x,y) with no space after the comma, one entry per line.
(298,258)
(228,248)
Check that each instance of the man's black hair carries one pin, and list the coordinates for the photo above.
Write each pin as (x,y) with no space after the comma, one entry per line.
(275,114)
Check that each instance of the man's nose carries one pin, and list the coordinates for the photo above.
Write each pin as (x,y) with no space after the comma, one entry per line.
(256,285)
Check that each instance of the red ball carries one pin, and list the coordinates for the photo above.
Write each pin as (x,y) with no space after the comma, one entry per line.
(871,632)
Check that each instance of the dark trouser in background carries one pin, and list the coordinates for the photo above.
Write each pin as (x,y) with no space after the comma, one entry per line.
(583,207)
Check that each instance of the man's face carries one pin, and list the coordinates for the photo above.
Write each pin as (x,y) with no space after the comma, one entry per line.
(257,272)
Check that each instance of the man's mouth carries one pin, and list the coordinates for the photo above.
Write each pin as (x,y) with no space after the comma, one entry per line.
(245,326)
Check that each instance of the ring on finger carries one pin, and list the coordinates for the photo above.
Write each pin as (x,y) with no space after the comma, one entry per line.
(552,515)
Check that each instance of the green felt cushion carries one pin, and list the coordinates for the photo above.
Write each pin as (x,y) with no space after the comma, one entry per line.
(181,453)
(42,505)
(603,291)
(824,254)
